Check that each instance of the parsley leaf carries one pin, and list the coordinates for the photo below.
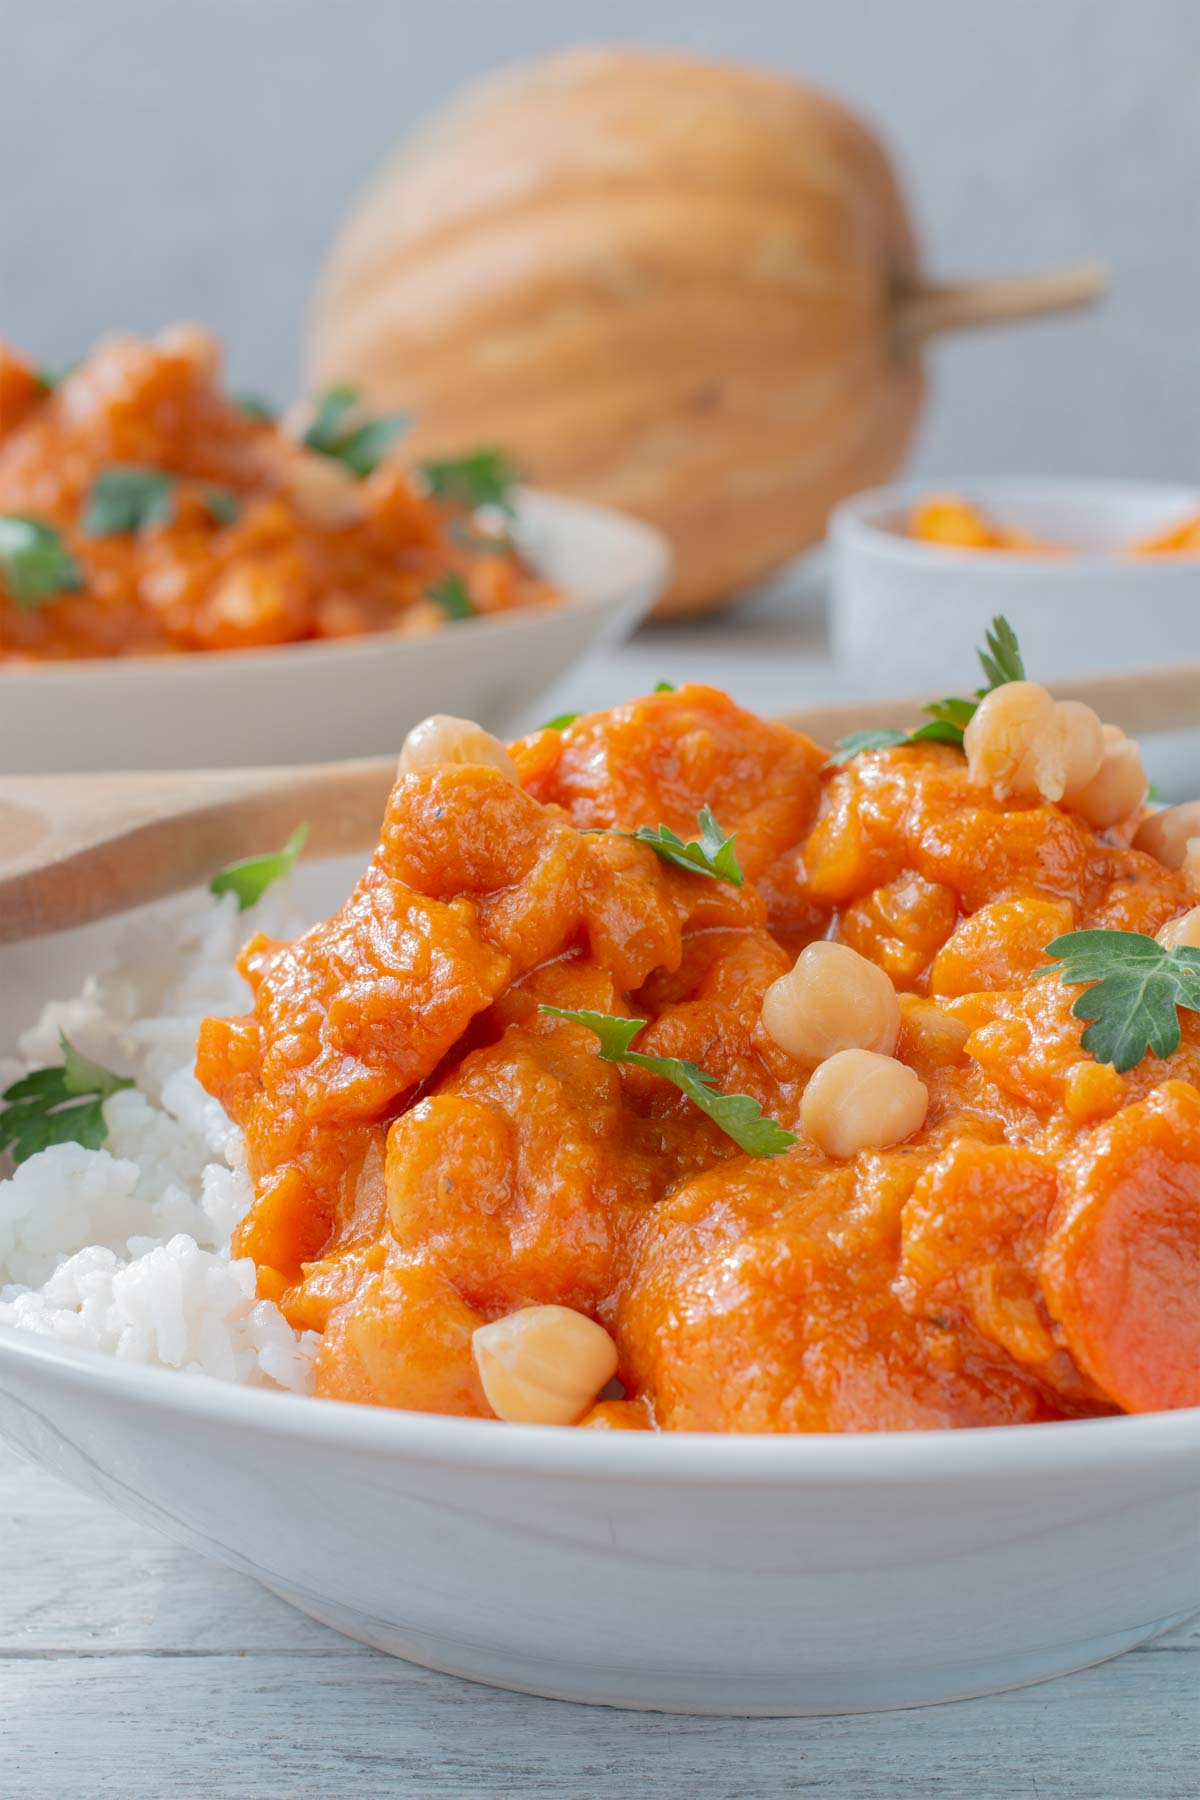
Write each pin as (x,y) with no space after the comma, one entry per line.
(480,478)
(222,503)
(339,431)
(712,856)
(250,878)
(450,593)
(52,375)
(1001,658)
(1138,989)
(858,741)
(253,406)
(127,497)
(59,1105)
(738,1115)
(34,562)
(1001,662)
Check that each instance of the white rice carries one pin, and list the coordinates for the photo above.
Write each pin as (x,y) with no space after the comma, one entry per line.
(126,1249)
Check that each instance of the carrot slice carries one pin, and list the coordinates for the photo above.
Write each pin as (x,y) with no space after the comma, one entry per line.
(1121,1268)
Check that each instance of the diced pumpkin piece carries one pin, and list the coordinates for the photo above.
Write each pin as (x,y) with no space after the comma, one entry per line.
(1121,1267)
(1000,945)
(404,1340)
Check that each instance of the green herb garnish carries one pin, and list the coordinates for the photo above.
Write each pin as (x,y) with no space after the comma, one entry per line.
(59,1105)
(127,497)
(253,406)
(664,687)
(738,1115)
(711,855)
(450,593)
(52,375)
(1138,989)
(947,720)
(250,878)
(34,561)
(886,738)
(1001,658)
(339,431)
(222,503)
(481,478)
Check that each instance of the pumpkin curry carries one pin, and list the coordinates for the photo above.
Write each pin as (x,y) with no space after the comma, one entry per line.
(144,511)
(958,524)
(661,1046)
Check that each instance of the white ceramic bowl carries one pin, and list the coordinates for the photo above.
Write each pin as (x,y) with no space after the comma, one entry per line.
(917,611)
(319,701)
(690,1574)
(684,1573)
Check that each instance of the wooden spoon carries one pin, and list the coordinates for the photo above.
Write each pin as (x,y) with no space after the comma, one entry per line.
(74,848)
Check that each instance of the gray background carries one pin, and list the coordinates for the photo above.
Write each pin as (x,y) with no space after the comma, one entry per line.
(167,158)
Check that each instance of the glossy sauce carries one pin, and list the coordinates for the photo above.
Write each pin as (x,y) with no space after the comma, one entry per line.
(431,1152)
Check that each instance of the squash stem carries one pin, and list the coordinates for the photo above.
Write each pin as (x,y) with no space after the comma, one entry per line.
(927,309)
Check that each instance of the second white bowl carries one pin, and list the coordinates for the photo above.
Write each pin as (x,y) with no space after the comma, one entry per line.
(315,702)
(917,612)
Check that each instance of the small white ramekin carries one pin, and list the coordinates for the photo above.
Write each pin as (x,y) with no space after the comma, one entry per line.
(917,612)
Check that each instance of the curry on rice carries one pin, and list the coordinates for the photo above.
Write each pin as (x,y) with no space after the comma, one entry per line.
(855,1171)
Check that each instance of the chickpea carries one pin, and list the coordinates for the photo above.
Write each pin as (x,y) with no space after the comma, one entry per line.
(543,1365)
(1185,930)
(1023,744)
(1001,738)
(1165,835)
(1117,789)
(443,739)
(858,1100)
(832,999)
(1080,738)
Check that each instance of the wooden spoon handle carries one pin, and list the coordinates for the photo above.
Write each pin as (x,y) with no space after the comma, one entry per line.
(78,847)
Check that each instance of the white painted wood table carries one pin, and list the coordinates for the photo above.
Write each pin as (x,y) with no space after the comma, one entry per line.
(133,1669)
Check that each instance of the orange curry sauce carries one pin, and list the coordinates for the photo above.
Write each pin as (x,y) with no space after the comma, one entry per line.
(957,524)
(296,547)
(430,1152)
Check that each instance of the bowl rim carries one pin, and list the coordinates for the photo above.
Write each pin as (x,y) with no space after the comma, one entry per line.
(854,526)
(711,1458)
(537,510)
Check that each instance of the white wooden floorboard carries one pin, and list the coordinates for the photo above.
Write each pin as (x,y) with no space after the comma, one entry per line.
(134,1669)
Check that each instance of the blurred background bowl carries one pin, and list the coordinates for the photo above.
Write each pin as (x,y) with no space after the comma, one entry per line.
(921,609)
(314,702)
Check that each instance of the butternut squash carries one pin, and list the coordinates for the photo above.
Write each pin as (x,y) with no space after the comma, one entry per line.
(682,289)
